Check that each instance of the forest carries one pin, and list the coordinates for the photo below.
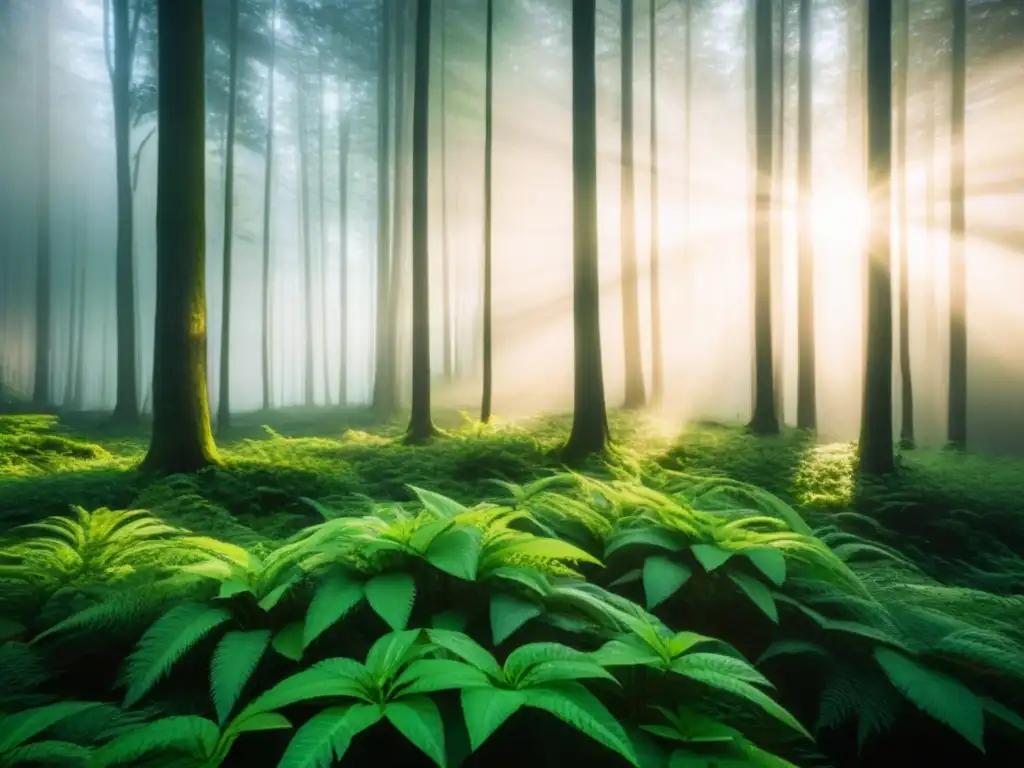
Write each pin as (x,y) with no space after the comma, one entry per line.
(511,382)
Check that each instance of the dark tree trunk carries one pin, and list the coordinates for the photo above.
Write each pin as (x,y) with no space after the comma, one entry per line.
(657,371)
(765,420)
(446,287)
(76,258)
(268,197)
(78,387)
(321,153)
(957,269)
(400,256)
(41,397)
(421,427)
(488,350)
(307,250)
(343,148)
(589,433)
(906,381)
(223,400)
(778,225)
(634,394)
(182,440)
(876,455)
(806,400)
(126,407)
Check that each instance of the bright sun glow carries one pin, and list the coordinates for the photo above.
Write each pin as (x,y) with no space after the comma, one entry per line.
(840,215)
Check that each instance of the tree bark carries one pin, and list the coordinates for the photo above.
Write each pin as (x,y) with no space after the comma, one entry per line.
(488,350)
(957,424)
(344,129)
(321,152)
(307,251)
(182,440)
(906,380)
(268,176)
(807,405)
(589,433)
(876,454)
(446,287)
(657,370)
(41,392)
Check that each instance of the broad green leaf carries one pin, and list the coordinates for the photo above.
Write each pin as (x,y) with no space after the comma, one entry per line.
(533,580)
(710,556)
(234,660)
(431,675)
(758,593)
(326,736)
(274,596)
(457,552)
(946,699)
(17,728)
(328,678)
(663,577)
(627,652)
(539,663)
(387,655)
(509,613)
(288,641)
(232,587)
(659,538)
(391,596)
(194,736)
(682,642)
(47,752)
(467,649)
(418,719)
(265,721)
(334,597)
(441,506)
(485,709)
(769,561)
(575,705)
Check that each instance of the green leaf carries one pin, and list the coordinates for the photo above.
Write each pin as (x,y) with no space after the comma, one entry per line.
(288,641)
(457,552)
(539,663)
(48,752)
(710,556)
(533,580)
(549,549)
(1003,713)
(431,675)
(326,736)
(265,721)
(682,642)
(419,720)
(334,597)
(17,728)
(328,678)
(387,655)
(628,651)
(273,597)
(627,578)
(660,538)
(789,648)
(769,561)
(947,700)
(467,649)
(234,660)
(441,506)
(575,705)
(485,709)
(166,641)
(194,736)
(509,613)
(663,577)
(758,593)
(232,587)
(391,596)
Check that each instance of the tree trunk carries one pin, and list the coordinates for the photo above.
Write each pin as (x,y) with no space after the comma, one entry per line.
(634,394)
(778,224)
(806,401)
(589,433)
(876,455)
(182,440)
(488,349)
(322,152)
(268,198)
(765,420)
(399,222)
(223,399)
(344,128)
(957,425)
(446,288)
(126,407)
(906,381)
(307,251)
(78,388)
(76,258)
(657,372)
(41,397)
(421,428)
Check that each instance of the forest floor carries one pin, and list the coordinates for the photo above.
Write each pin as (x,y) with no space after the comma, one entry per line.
(958,516)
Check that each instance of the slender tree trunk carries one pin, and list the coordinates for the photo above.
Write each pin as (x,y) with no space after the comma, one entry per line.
(78,388)
(41,397)
(806,405)
(876,455)
(778,223)
(268,198)
(223,399)
(765,420)
(307,250)
(957,425)
(383,403)
(321,146)
(906,381)
(182,440)
(126,408)
(634,395)
(399,222)
(344,128)
(446,288)
(69,371)
(488,349)
(421,427)
(589,433)
(657,371)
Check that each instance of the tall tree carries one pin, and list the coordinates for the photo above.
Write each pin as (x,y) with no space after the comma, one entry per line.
(182,440)
(876,455)
(126,32)
(344,133)
(322,157)
(488,384)
(268,176)
(383,402)
(589,433)
(446,279)
(765,420)
(806,401)
(224,401)
(634,395)
(902,7)
(420,425)
(778,225)
(307,249)
(41,394)
(957,267)
(657,371)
